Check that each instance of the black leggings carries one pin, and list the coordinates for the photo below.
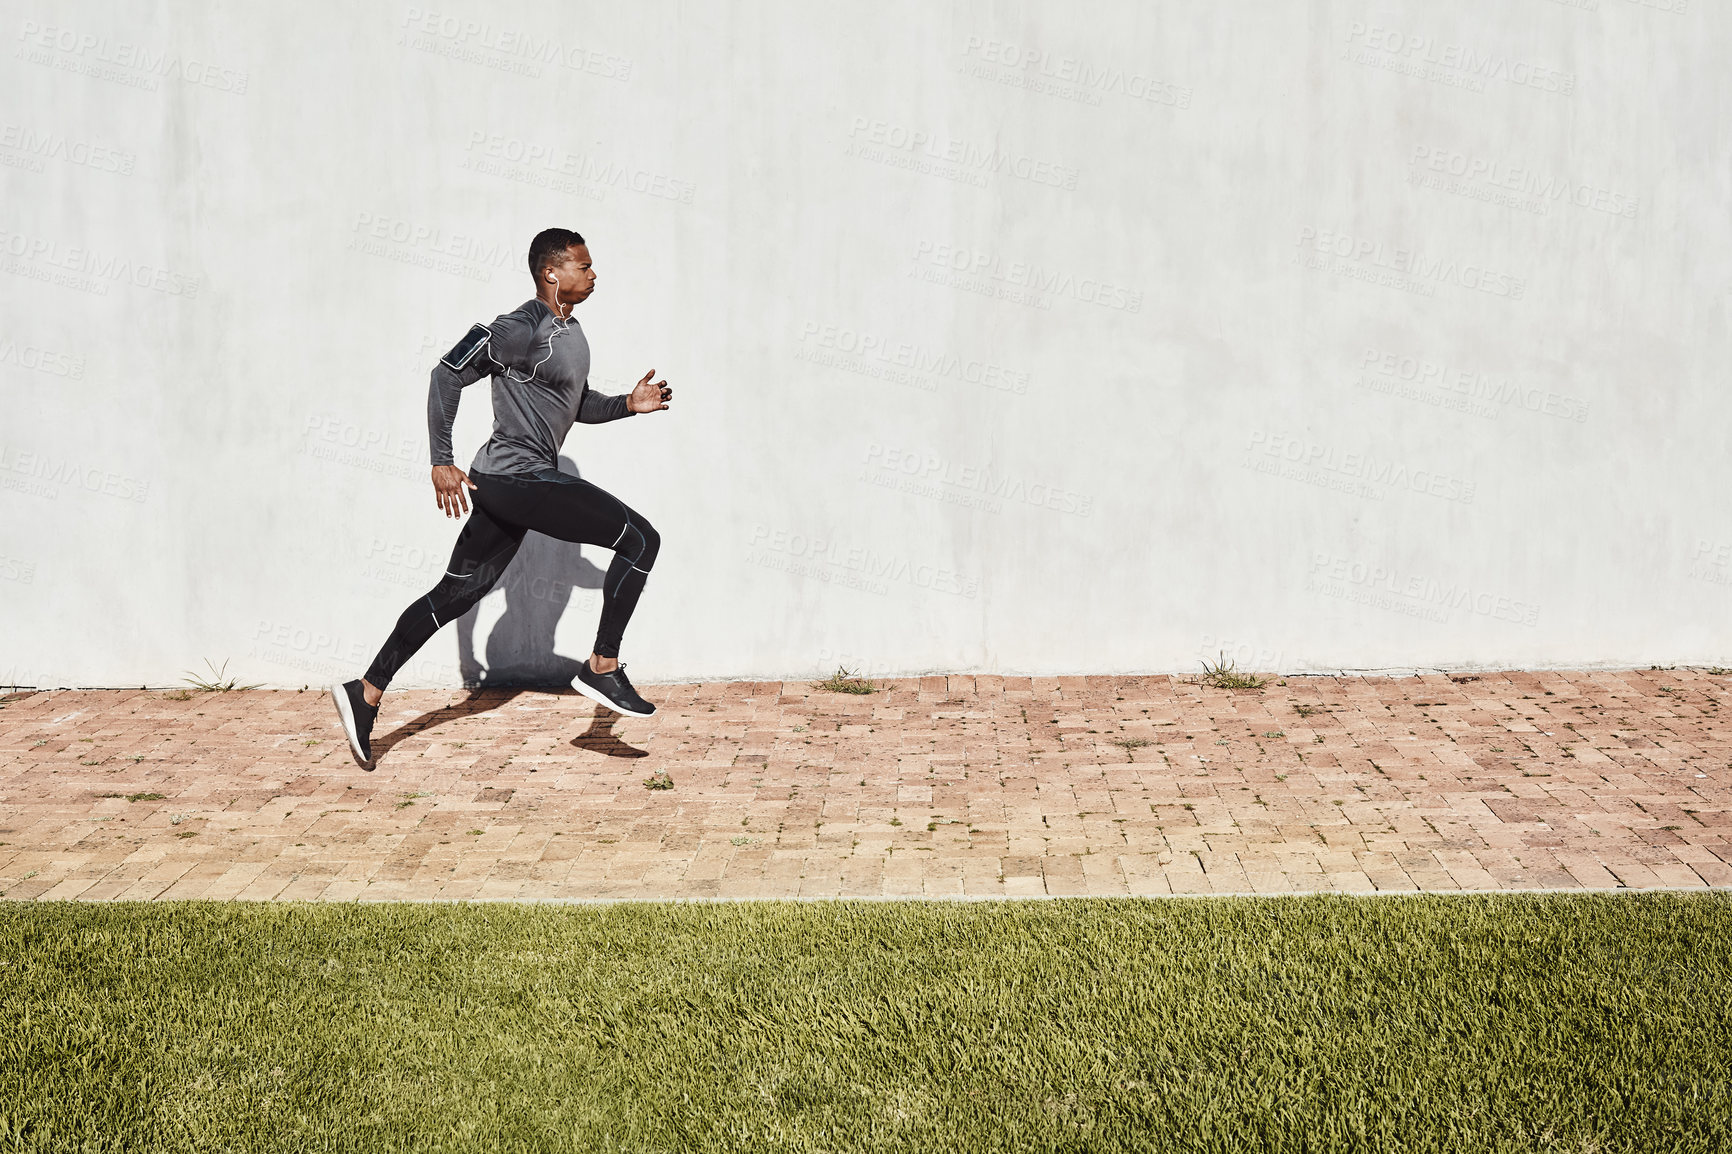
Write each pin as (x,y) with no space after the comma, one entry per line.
(557,504)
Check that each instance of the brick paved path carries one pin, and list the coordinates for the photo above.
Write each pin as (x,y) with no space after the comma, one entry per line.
(959,786)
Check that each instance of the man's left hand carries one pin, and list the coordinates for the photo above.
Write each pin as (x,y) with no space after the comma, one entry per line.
(647,398)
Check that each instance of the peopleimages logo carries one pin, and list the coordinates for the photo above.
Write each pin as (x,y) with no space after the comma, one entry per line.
(482,42)
(1399,369)
(41,360)
(323,654)
(983,271)
(532,162)
(412,567)
(12,569)
(131,64)
(937,154)
(40,475)
(426,246)
(835,562)
(330,438)
(925,473)
(1519,185)
(922,363)
(1671,7)
(29,148)
(1411,265)
(1413,594)
(1072,77)
(1244,654)
(1712,562)
(1448,62)
(1301,459)
(86,269)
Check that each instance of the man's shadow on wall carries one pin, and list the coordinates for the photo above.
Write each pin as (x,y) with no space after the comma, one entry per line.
(539,587)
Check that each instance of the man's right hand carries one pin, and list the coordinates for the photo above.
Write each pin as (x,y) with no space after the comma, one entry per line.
(448,482)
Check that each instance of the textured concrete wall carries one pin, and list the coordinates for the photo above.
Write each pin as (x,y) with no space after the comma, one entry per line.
(1331,334)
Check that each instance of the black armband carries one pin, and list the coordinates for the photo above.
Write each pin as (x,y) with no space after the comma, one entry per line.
(466,349)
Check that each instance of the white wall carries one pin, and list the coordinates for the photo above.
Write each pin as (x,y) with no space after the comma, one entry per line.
(1159,279)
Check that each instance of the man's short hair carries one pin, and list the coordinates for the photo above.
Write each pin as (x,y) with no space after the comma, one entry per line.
(549,248)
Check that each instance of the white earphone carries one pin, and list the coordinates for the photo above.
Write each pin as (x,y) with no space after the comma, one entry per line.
(560,325)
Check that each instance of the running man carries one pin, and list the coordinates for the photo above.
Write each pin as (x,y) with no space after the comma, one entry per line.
(539,361)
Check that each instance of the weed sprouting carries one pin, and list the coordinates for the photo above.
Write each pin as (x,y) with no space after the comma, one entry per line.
(844,681)
(215,682)
(1224,674)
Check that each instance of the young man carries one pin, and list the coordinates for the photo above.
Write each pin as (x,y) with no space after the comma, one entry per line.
(539,361)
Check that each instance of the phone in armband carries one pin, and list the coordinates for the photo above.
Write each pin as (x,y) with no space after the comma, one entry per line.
(468,348)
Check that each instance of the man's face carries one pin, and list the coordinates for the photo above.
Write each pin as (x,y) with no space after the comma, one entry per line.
(575,276)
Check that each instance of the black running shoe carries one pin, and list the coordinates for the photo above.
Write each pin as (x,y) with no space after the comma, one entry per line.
(611,690)
(357,718)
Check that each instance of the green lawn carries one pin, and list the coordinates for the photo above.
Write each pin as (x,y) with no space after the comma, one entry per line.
(1579,1023)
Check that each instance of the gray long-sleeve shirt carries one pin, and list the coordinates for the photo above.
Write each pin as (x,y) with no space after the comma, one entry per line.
(540,371)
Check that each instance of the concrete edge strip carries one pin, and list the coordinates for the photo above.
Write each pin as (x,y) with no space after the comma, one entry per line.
(942,899)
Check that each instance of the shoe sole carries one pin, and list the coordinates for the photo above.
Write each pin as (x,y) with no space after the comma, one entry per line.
(601,698)
(346,715)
